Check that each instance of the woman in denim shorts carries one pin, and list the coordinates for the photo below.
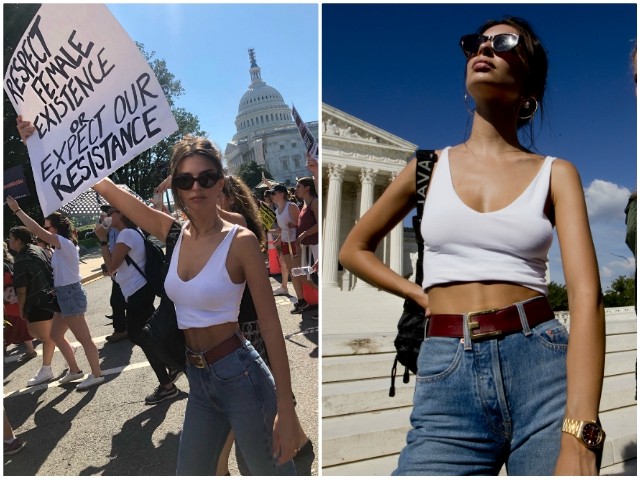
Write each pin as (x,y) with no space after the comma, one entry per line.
(498,382)
(59,232)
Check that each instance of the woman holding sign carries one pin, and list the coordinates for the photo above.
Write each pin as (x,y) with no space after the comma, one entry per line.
(59,232)
(230,386)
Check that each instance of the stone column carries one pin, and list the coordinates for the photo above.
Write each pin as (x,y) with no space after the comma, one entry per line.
(367,179)
(331,237)
(397,243)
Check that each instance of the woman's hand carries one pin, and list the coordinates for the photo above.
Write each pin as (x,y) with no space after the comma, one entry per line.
(575,458)
(164,185)
(284,435)
(12,204)
(418,295)
(25,129)
(312,165)
(101,232)
(302,236)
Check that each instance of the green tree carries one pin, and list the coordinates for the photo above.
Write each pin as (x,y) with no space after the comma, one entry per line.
(621,293)
(251,173)
(558,297)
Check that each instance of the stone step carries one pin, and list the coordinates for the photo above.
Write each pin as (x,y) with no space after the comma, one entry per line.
(379,466)
(376,434)
(627,468)
(357,367)
(357,344)
(617,363)
(373,394)
(621,342)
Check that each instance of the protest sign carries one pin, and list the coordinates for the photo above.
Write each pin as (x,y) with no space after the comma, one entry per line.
(14,183)
(92,97)
(267,215)
(309,140)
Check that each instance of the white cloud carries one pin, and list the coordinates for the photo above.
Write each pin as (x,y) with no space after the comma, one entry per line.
(606,201)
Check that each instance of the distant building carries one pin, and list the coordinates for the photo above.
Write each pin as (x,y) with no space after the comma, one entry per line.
(267,133)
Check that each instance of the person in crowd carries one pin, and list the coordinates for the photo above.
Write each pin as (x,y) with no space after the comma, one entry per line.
(230,387)
(287,219)
(58,231)
(499,381)
(16,329)
(312,166)
(116,299)
(137,293)
(45,247)
(12,444)
(308,226)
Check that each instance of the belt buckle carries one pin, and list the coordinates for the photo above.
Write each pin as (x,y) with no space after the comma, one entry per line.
(474,325)
(198,360)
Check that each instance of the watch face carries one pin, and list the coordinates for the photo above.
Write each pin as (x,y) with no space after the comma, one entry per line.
(592,435)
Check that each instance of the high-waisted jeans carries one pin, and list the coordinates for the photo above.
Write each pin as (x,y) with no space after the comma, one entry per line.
(235,393)
(499,401)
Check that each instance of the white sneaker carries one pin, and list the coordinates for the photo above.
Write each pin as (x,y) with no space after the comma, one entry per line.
(90,382)
(70,377)
(281,291)
(45,374)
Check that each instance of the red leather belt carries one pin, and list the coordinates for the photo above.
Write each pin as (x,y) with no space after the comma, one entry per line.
(490,323)
(201,360)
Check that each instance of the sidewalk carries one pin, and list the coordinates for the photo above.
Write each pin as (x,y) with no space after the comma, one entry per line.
(90,265)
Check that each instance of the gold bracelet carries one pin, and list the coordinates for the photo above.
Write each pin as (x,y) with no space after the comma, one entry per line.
(16,211)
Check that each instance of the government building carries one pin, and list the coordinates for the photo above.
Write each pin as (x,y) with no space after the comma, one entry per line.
(266,132)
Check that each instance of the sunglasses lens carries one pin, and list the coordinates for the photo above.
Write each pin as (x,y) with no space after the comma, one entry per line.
(470,43)
(504,42)
(207,179)
(183,181)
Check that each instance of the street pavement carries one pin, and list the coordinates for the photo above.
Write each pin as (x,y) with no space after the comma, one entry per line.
(108,430)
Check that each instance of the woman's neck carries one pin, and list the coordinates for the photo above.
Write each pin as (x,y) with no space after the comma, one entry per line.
(205,224)
(493,134)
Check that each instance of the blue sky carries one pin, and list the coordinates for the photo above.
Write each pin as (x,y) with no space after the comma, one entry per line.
(205,47)
(399,67)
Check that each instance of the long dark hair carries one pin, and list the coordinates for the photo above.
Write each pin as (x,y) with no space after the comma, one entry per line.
(242,202)
(63,224)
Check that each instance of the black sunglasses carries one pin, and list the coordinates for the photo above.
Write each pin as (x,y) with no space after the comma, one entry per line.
(184,181)
(502,42)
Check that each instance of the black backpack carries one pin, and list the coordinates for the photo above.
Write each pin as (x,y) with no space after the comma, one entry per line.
(154,267)
(412,323)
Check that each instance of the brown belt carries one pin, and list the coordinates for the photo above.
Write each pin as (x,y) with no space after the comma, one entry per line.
(201,360)
(490,323)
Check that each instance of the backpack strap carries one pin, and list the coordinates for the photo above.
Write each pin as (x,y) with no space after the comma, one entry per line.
(130,260)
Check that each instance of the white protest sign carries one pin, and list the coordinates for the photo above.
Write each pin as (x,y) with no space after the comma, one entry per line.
(91,95)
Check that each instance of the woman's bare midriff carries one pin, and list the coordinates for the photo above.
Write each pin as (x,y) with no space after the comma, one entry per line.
(204,339)
(457,298)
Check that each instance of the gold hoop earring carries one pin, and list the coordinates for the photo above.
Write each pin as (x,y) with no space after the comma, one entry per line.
(527,107)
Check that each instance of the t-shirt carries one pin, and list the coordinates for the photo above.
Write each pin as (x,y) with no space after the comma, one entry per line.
(129,279)
(65,262)
(32,269)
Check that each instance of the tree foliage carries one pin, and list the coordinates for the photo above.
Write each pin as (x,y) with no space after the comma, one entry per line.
(142,174)
(621,293)
(558,297)
(251,173)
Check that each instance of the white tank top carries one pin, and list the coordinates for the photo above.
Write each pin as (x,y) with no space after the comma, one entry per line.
(288,234)
(507,245)
(209,298)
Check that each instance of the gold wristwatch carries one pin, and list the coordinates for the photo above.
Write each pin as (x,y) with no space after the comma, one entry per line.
(587,431)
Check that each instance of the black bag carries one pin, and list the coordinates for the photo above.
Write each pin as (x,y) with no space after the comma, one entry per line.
(412,323)
(48,301)
(155,265)
(161,333)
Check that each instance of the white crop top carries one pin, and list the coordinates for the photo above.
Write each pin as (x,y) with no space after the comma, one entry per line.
(464,245)
(288,234)
(209,298)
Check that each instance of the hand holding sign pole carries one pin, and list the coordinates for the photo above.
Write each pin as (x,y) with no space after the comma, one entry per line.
(90,96)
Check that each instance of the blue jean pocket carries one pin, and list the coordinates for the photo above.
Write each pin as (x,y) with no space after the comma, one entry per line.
(230,368)
(552,334)
(439,357)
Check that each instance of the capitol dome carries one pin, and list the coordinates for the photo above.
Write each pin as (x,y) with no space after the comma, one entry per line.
(262,107)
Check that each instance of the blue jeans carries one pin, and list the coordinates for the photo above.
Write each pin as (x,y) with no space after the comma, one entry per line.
(500,401)
(72,299)
(235,393)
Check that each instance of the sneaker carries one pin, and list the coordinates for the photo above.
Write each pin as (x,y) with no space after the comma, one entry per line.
(174,374)
(90,382)
(161,394)
(14,447)
(70,377)
(25,357)
(117,336)
(281,291)
(44,375)
(308,307)
(298,307)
